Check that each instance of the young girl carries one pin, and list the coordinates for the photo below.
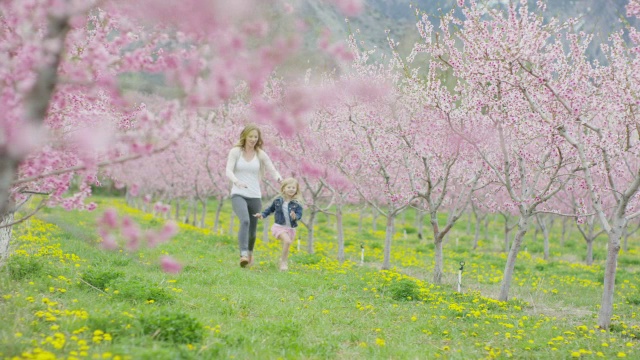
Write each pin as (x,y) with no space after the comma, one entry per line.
(288,210)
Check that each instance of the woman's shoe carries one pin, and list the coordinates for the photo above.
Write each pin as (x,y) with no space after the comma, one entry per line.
(244,261)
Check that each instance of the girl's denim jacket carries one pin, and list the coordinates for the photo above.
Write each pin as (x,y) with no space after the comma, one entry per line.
(276,206)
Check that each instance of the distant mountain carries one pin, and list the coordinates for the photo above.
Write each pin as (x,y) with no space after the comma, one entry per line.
(600,17)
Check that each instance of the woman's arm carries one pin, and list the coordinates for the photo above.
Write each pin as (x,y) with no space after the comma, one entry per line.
(231,164)
(269,165)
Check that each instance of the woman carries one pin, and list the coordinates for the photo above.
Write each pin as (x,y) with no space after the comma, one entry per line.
(246,166)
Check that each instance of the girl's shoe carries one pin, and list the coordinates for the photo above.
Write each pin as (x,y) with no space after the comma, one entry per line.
(250,260)
(244,261)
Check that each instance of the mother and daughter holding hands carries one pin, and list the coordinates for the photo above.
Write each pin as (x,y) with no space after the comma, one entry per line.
(246,166)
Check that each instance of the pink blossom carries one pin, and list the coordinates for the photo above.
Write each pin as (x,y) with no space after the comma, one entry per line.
(109,242)
(152,238)
(288,8)
(109,219)
(633,8)
(131,232)
(349,7)
(22,139)
(169,229)
(170,265)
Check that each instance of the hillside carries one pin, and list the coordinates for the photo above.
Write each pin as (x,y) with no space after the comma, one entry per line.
(600,17)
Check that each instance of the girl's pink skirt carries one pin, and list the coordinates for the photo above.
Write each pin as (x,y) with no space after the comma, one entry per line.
(277,230)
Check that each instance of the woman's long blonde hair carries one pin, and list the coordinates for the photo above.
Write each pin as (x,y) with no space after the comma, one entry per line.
(288,181)
(245,132)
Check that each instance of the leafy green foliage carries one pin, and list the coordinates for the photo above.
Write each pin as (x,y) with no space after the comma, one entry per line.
(139,290)
(404,290)
(21,267)
(306,259)
(100,278)
(175,327)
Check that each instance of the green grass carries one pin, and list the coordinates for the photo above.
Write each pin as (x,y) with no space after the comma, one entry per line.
(62,295)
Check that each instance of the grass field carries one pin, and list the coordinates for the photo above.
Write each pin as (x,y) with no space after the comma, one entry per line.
(62,297)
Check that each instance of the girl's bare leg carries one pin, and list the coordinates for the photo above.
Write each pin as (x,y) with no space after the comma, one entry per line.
(286,243)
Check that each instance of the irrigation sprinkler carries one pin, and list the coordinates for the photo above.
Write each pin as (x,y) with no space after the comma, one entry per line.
(361,254)
(460,275)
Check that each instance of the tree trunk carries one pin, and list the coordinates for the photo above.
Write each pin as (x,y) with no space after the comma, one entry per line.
(420,223)
(446,236)
(486,228)
(507,231)
(310,222)
(589,259)
(613,249)
(231,218)
(5,236)
(194,210)
(386,264)
(542,222)
(177,209)
(546,247)
(438,258)
(187,211)
(216,221)
(523,225)
(204,212)
(375,220)
(340,233)
(625,245)
(476,237)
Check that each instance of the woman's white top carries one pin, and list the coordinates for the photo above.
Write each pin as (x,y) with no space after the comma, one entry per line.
(249,172)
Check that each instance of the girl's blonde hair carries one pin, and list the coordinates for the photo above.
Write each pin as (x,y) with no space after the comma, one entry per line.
(288,181)
(245,132)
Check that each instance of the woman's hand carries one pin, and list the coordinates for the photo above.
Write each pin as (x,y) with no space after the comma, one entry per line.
(258,215)
(240,184)
(292,215)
